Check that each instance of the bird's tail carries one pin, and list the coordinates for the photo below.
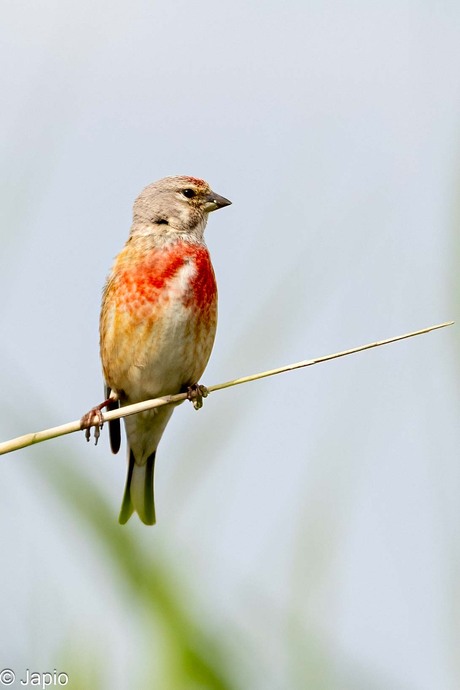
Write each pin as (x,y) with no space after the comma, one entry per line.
(138,494)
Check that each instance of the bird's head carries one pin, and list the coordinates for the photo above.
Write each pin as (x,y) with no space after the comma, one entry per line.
(175,206)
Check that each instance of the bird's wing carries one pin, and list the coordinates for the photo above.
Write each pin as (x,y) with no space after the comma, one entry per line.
(114,426)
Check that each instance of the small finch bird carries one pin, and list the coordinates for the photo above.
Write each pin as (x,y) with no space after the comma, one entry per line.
(158,322)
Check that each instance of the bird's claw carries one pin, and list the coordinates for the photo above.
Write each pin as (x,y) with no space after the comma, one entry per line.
(92,418)
(196,393)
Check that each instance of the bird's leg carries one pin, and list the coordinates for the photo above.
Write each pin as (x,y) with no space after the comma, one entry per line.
(94,418)
(196,393)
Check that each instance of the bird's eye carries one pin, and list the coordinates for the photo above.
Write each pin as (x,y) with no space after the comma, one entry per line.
(189,193)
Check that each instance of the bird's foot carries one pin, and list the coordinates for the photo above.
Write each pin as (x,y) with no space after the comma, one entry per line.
(94,418)
(196,393)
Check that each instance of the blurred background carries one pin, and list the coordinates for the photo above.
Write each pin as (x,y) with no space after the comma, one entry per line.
(308,525)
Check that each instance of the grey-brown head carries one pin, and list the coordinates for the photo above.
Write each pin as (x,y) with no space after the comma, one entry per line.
(175,206)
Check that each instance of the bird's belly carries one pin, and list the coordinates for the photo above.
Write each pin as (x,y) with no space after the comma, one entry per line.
(162,353)
(178,349)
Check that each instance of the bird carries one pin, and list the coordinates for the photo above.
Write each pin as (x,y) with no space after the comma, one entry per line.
(157,324)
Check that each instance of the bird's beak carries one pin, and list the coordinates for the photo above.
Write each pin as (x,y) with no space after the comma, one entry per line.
(215,201)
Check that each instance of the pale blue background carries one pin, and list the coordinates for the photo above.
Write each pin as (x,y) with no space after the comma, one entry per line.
(328,497)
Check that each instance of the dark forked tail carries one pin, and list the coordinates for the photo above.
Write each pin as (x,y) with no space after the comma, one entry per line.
(138,494)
